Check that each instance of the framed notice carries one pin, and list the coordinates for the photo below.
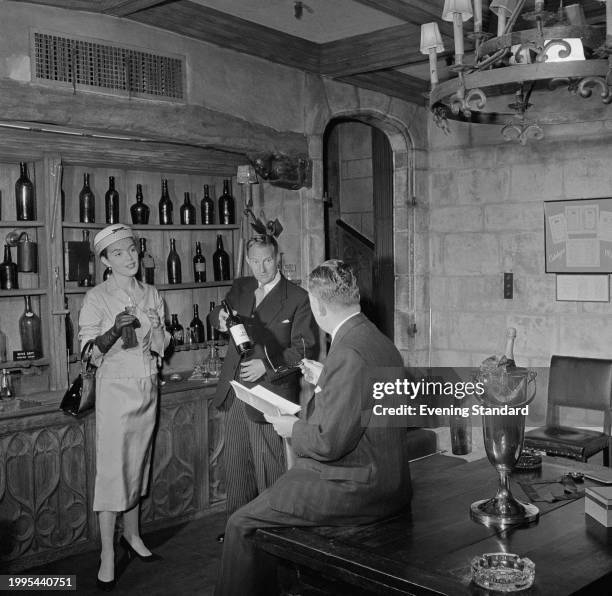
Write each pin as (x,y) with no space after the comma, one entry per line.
(583,288)
(578,236)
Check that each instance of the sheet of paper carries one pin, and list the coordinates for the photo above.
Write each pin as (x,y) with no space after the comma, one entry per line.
(264,400)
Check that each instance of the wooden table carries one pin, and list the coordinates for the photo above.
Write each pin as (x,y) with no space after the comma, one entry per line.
(428,550)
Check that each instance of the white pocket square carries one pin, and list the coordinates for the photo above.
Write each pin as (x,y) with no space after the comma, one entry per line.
(317,389)
(286,321)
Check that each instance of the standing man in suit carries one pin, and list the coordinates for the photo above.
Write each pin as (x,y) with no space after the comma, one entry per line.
(349,469)
(277,316)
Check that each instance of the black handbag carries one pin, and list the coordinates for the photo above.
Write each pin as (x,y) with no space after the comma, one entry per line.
(81,395)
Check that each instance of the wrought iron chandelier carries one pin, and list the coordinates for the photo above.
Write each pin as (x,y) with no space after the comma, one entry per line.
(556,49)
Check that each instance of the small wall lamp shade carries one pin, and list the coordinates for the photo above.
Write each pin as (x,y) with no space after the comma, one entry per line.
(431,38)
(462,7)
(505,7)
(246,175)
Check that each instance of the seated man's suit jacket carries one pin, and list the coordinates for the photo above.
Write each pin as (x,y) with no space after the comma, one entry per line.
(281,321)
(348,469)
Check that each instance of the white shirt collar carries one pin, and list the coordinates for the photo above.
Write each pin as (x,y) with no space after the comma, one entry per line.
(333,334)
(271,285)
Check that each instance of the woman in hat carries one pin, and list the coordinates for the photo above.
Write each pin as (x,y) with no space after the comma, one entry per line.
(124,318)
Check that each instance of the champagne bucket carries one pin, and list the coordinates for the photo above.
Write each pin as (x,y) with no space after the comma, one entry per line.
(507,393)
(27,255)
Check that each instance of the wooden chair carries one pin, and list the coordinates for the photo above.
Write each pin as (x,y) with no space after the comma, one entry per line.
(584,383)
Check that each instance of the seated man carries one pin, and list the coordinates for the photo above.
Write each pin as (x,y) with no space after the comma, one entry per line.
(347,471)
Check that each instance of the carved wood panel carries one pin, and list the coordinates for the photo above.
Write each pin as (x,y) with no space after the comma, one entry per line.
(43,490)
(216,441)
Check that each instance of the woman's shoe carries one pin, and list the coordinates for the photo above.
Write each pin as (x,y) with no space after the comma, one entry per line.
(131,552)
(108,586)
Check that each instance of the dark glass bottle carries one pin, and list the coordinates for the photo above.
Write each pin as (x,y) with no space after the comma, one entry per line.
(174,264)
(8,271)
(90,279)
(111,202)
(197,327)
(139,210)
(146,271)
(69,329)
(207,207)
(199,265)
(212,334)
(177,331)
(87,202)
(165,206)
(226,206)
(188,212)
(237,330)
(30,330)
(24,195)
(221,262)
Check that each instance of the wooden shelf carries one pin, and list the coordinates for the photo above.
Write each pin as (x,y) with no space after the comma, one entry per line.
(161,287)
(24,363)
(22,224)
(153,227)
(23,292)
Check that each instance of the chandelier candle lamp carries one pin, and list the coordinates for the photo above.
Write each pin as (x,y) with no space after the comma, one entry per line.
(540,48)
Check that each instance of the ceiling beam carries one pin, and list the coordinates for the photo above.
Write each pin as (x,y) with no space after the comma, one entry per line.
(219,28)
(393,83)
(123,8)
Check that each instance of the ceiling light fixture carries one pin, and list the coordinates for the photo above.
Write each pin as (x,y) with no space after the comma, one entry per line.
(556,49)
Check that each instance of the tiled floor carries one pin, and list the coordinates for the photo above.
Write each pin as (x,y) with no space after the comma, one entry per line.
(190,559)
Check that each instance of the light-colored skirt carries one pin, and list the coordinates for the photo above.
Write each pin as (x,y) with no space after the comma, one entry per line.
(126,410)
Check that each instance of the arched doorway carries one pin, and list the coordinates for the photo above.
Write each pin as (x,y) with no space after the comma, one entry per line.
(358,182)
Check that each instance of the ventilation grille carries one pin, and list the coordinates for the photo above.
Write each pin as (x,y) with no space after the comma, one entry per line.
(84,64)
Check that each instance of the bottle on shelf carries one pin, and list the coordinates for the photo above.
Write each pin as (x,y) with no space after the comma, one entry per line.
(211,334)
(197,327)
(146,270)
(139,211)
(3,344)
(8,271)
(165,205)
(221,262)
(177,331)
(199,265)
(226,206)
(509,348)
(174,264)
(188,212)
(87,202)
(69,329)
(207,207)
(237,330)
(30,329)
(111,202)
(24,195)
(90,279)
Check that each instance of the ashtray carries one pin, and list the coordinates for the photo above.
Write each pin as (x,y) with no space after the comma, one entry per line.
(504,572)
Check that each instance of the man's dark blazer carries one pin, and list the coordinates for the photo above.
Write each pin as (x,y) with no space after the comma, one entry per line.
(281,321)
(348,468)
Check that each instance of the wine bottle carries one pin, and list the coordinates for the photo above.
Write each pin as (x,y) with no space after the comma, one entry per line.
(30,330)
(226,206)
(146,269)
(87,202)
(509,349)
(139,211)
(174,264)
(3,345)
(235,326)
(111,202)
(24,195)
(199,265)
(69,329)
(197,327)
(188,212)
(221,262)
(211,333)
(207,207)
(177,331)
(8,271)
(165,206)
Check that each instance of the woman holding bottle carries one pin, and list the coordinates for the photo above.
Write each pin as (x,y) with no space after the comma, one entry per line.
(123,318)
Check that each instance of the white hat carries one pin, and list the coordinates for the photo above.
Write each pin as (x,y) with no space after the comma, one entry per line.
(111,234)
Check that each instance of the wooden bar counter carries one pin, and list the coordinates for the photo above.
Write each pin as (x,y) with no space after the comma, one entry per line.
(47,469)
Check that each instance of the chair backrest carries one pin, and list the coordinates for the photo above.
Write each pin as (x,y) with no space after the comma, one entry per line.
(579,383)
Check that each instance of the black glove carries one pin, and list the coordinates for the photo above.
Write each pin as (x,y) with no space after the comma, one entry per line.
(106,341)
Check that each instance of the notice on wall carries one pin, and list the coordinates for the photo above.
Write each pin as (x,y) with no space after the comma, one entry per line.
(578,236)
(583,288)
